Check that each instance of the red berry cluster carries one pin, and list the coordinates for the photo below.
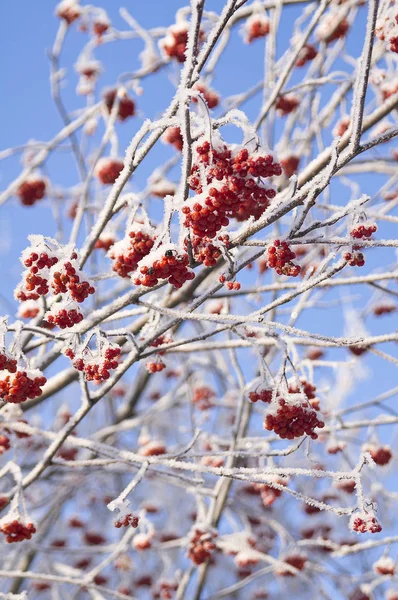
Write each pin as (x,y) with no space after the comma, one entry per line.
(307,53)
(173,136)
(264,395)
(31,190)
(387,28)
(290,164)
(294,560)
(269,493)
(7,363)
(127,521)
(171,266)
(363,231)
(36,275)
(354,258)
(234,192)
(127,253)
(174,45)
(286,104)
(293,418)
(100,26)
(280,258)
(201,545)
(256,26)
(104,243)
(330,30)
(204,251)
(68,10)
(5,444)
(17,532)
(211,97)
(108,170)
(306,387)
(385,566)
(94,539)
(64,318)
(202,397)
(384,309)
(365,523)
(67,279)
(380,454)
(96,368)
(155,367)
(18,387)
(165,590)
(126,106)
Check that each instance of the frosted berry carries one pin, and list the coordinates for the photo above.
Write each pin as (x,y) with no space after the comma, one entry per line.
(127,253)
(256,26)
(68,10)
(364,522)
(211,98)
(280,257)
(264,395)
(7,363)
(307,54)
(201,544)
(292,417)
(18,387)
(380,454)
(384,309)
(174,45)
(385,566)
(31,190)
(5,444)
(290,164)
(354,259)
(286,104)
(173,137)
(108,170)
(363,230)
(202,397)
(297,561)
(64,318)
(15,531)
(170,266)
(127,521)
(126,107)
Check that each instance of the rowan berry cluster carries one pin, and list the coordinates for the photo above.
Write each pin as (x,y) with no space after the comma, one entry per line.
(225,180)
(384,309)
(5,444)
(64,315)
(97,365)
(264,395)
(108,170)
(365,522)
(127,253)
(165,590)
(203,396)
(332,27)
(68,10)
(101,24)
(280,257)
(204,251)
(174,45)
(32,190)
(380,454)
(307,54)
(21,385)
(211,97)
(290,164)
(286,104)
(268,492)
(354,258)
(171,265)
(173,136)
(363,230)
(292,416)
(7,363)
(201,544)
(155,367)
(66,278)
(128,520)
(126,106)
(104,243)
(387,28)
(16,530)
(38,260)
(385,566)
(305,386)
(256,26)
(297,561)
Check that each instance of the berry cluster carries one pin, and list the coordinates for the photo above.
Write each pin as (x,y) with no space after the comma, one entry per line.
(294,560)
(7,363)
(256,26)
(64,315)
(104,243)
(66,278)
(307,53)
(5,444)
(306,387)
(101,25)
(354,258)
(365,523)
(380,454)
(268,492)
(15,531)
(385,566)
(96,367)
(173,136)
(165,590)
(384,309)
(170,265)
(290,164)
(387,28)
(286,104)
(128,520)
(155,367)
(204,251)
(174,45)
(264,395)
(280,258)
(127,253)
(201,544)
(108,170)
(20,386)
(332,28)
(363,230)
(68,10)
(210,96)
(126,107)
(31,190)
(202,397)
(225,180)
(293,417)
(36,276)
